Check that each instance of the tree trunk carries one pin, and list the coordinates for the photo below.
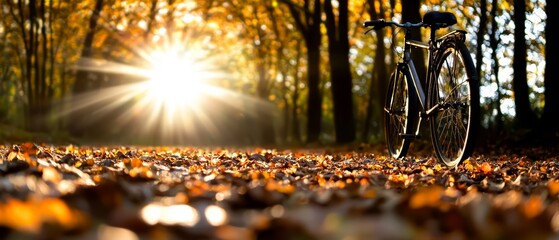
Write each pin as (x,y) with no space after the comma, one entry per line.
(31,76)
(393,56)
(151,19)
(494,43)
(296,129)
(281,66)
(266,112)
(80,85)
(340,72)
(309,26)
(379,78)
(27,72)
(480,36)
(525,117)
(40,107)
(550,116)
(410,13)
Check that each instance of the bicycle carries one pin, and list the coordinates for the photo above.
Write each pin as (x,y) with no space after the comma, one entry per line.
(451,104)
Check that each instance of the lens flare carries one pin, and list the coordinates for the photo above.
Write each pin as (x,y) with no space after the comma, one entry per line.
(174,91)
(176,81)
(183,215)
(216,215)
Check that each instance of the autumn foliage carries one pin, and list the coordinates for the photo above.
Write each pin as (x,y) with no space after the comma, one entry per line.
(171,192)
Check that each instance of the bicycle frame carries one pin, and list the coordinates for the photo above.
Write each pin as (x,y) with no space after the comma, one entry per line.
(416,80)
(407,61)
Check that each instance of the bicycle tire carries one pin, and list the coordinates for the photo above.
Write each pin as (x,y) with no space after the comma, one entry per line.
(399,103)
(455,89)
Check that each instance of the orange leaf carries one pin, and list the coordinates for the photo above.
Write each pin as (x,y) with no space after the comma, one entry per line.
(553,186)
(486,168)
(136,162)
(90,162)
(15,156)
(29,148)
(469,167)
(430,197)
(532,207)
(369,193)
(30,216)
(55,210)
(20,216)
(321,181)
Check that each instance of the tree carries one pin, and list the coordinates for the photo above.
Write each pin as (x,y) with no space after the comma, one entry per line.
(307,20)
(480,36)
(525,116)
(410,13)
(379,78)
(32,23)
(340,73)
(287,48)
(550,115)
(81,83)
(296,130)
(494,43)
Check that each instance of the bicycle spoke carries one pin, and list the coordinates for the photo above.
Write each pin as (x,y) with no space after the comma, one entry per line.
(450,134)
(397,115)
(451,93)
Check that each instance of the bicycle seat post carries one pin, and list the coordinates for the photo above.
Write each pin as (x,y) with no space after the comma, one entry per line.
(433,36)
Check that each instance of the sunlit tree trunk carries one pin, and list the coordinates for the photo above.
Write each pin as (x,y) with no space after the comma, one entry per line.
(281,66)
(286,111)
(81,83)
(40,107)
(393,57)
(266,112)
(340,72)
(525,116)
(551,82)
(27,71)
(151,19)
(27,17)
(295,125)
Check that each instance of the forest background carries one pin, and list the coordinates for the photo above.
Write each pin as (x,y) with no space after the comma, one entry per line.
(254,72)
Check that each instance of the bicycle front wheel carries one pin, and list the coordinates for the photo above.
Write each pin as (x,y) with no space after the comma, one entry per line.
(454,94)
(398,121)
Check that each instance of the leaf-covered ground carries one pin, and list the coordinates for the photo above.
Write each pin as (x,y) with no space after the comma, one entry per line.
(54,192)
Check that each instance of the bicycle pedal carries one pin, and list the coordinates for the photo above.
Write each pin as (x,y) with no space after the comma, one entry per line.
(409,136)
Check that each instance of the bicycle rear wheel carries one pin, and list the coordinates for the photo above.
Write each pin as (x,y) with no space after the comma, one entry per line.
(398,121)
(454,91)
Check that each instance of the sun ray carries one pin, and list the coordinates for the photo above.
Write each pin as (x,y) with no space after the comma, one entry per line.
(171,92)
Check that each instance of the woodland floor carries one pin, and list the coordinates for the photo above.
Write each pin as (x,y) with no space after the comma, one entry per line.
(123,192)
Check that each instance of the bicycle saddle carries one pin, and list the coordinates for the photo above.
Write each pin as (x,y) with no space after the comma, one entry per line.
(439,19)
